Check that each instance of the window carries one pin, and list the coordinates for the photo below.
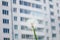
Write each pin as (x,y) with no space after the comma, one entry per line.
(25,3)
(6,38)
(57,4)
(58,17)
(57,11)
(59,24)
(47,38)
(40,21)
(6,21)
(33,5)
(53,35)
(14,1)
(5,30)
(59,32)
(52,20)
(37,0)
(15,27)
(44,1)
(30,4)
(25,11)
(44,8)
(50,0)
(27,36)
(16,36)
(36,6)
(23,35)
(40,29)
(4,3)
(23,19)
(15,18)
(40,37)
(21,10)
(14,9)
(46,23)
(5,12)
(51,6)
(52,13)
(21,2)
(47,30)
(53,28)
(23,27)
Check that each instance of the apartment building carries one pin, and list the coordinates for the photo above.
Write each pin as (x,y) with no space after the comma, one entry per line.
(14,15)
(5,20)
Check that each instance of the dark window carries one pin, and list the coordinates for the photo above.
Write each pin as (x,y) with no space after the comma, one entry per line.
(40,37)
(58,17)
(50,0)
(27,36)
(40,21)
(29,4)
(51,6)
(44,1)
(59,24)
(57,4)
(6,21)
(5,12)
(57,11)
(16,36)
(5,30)
(47,38)
(25,11)
(52,13)
(16,27)
(37,0)
(14,1)
(14,9)
(23,19)
(53,35)
(15,18)
(4,3)
(52,20)
(21,11)
(26,3)
(44,8)
(21,2)
(47,30)
(23,27)
(53,28)
(6,38)
(36,6)
(33,5)
(23,35)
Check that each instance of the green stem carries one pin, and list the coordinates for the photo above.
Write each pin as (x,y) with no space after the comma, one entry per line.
(34,33)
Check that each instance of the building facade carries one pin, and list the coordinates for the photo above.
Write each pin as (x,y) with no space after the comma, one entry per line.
(14,15)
